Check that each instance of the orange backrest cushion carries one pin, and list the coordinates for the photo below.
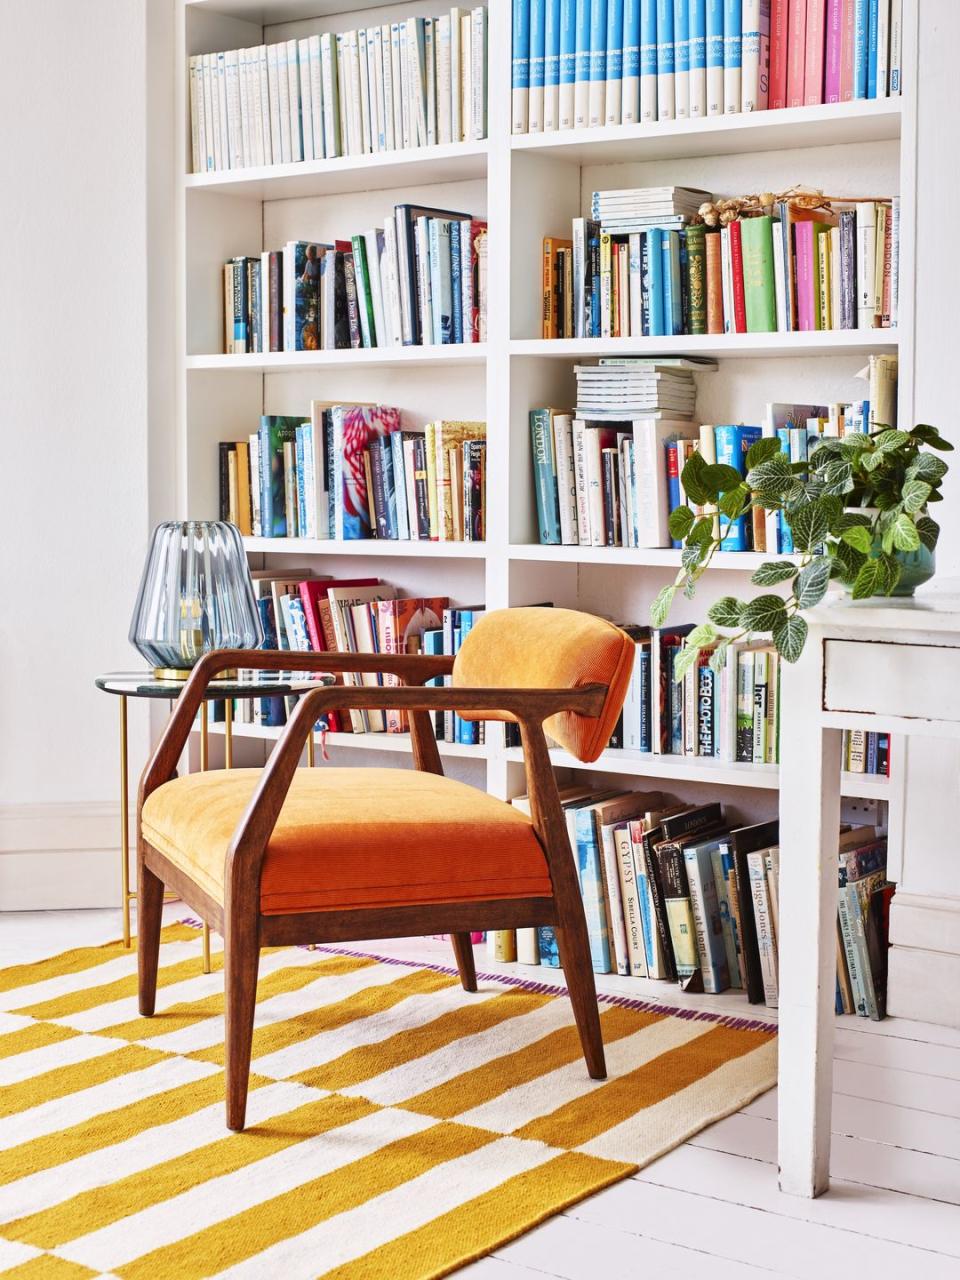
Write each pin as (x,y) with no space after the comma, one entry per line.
(551,649)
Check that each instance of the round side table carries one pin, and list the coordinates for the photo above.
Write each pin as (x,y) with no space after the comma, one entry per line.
(248,684)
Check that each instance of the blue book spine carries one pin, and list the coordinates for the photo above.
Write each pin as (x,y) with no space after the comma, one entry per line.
(271,709)
(389,486)
(456,635)
(568,41)
(873,45)
(301,487)
(653,238)
(714,34)
(871,753)
(468,731)
(545,476)
(732,34)
(646,918)
(861,42)
(403,514)
(456,299)
(631,60)
(643,663)
(674,498)
(648,59)
(591,888)
(615,42)
(674,703)
(595,287)
(732,444)
(667,278)
(548,946)
(697,27)
(598,41)
(537,34)
(582,42)
(520,65)
(266,476)
(551,46)
(681,36)
(786,533)
(666,64)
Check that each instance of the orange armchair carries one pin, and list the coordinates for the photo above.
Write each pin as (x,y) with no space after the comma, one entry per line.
(285,855)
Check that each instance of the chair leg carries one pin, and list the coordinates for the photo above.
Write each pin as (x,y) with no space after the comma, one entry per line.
(149,921)
(574,947)
(463,950)
(242,959)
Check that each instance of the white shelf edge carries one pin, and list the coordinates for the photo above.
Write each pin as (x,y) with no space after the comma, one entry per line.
(761,777)
(719,345)
(398,743)
(369,547)
(639,557)
(449,162)
(830,124)
(463,353)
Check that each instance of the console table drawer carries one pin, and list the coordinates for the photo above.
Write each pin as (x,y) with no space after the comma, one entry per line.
(914,681)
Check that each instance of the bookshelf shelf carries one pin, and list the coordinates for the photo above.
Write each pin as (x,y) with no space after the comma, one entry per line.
(790,129)
(396,743)
(764,777)
(464,353)
(419,166)
(731,346)
(368,547)
(637,557)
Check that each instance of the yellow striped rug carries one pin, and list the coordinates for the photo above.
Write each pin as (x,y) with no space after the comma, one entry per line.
(398,1127)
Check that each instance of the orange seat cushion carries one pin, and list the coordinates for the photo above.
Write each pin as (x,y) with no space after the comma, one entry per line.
(351,838)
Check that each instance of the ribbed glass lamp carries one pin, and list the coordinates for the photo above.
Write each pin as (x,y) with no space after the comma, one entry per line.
(195,595)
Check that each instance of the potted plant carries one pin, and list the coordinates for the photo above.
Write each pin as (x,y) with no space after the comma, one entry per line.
(857,510)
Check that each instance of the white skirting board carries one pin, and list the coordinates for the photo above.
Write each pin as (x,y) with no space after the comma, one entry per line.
(923,982)
(56,856)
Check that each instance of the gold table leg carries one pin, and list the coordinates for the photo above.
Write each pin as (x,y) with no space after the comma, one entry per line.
(310,755)
(228,733)
(204,761)
(125,894)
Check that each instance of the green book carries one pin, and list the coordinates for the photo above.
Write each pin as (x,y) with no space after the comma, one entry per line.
(759,292)
(368,329)
(696,237)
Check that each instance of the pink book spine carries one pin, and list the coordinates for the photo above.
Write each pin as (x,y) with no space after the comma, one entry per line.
(813,59)
(778,54)
(847,26)
(803,252)
(796,51)
(831,92)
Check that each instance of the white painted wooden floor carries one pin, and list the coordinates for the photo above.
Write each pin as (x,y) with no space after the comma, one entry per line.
(712,1206)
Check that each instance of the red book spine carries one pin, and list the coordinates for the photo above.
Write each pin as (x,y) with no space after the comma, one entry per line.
(847,27)
(736,273)
(778,54)
(796,52)
(813,58)
(831,73)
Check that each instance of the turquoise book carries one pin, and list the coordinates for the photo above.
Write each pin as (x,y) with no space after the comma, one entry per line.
(732,34)
(591,889)
(631,61)
(861,47)
(545,476)
(568,41)
(654,242)
(732,443)
(275,431)
(707,921)
(582,42)
(551,46)
(537,44)
(648,59)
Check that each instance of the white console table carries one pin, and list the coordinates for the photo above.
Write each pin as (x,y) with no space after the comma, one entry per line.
(888,666)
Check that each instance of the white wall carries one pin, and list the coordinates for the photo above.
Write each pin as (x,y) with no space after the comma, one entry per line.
(74,384)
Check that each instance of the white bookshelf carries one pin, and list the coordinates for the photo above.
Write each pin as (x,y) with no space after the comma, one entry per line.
(528,187)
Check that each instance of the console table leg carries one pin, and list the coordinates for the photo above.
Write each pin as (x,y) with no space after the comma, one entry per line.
(204,764)
(124,826)
(809,828)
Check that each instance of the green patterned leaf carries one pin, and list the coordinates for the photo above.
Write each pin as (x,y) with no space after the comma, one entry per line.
(684,660)
(926,467)
(718,659)
(775,473)
(869,580)
(889,440)
(733,503)
(720,478)
(701,533)
(929,531)
(726,612)
(859,537)
(904,533)
(660,609)
(812,582)
(761,450)
(702,635)
(810,526)
(773,571)
(693,481)
(931,436)
(680,522)
(914,495)
(790,637)
(764,613)
(849,561)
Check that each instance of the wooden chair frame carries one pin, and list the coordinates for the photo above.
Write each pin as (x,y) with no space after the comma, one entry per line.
(239,920)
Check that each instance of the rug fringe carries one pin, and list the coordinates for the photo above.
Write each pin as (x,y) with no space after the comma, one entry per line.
(733,1021)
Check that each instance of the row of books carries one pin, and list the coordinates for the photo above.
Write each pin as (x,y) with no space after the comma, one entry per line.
(303,611)
(679,894)
(608,483)
(352,471)
(418,280)
(802,270)
(585,63)
(411,83)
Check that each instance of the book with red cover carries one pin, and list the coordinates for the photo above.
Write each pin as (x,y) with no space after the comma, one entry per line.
(813,57)
(796,52)
(778,54)
(832,53)
(400,628)
(736,274)
(312,592)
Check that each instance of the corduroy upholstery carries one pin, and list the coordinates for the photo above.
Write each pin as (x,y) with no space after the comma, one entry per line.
(531,648)
(353,838)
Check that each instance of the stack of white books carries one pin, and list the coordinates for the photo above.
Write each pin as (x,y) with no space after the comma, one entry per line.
(622,388)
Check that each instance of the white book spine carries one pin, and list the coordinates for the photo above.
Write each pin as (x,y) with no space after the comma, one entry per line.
(343,87)
(750,55)
(580,481)
(293,78)
(196,111)
(779,283)
(396,84)
(376,286)
(222,103)
(666,96)
(466,278)
(726,281)
(392,298)
(375,83)
(444,81)
(306,98)
(255,100)
(594,464)
(866,264)
(244,115)
(416,37)
(466,81)
(363,69)
(406,80)
(389,134)
(596,104)
(894,261)
(478,73)
(283,82)
(456,76)
(273,97)
(206,115)
(883,49)
(636,284)
(611,870)
(566,482)
(354,93)
(288,286)
(430,62)
(316,98)
(424,292)
(331,98)
(263,89)
(896,47)
(732,90)
(213,119)
(265,300)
